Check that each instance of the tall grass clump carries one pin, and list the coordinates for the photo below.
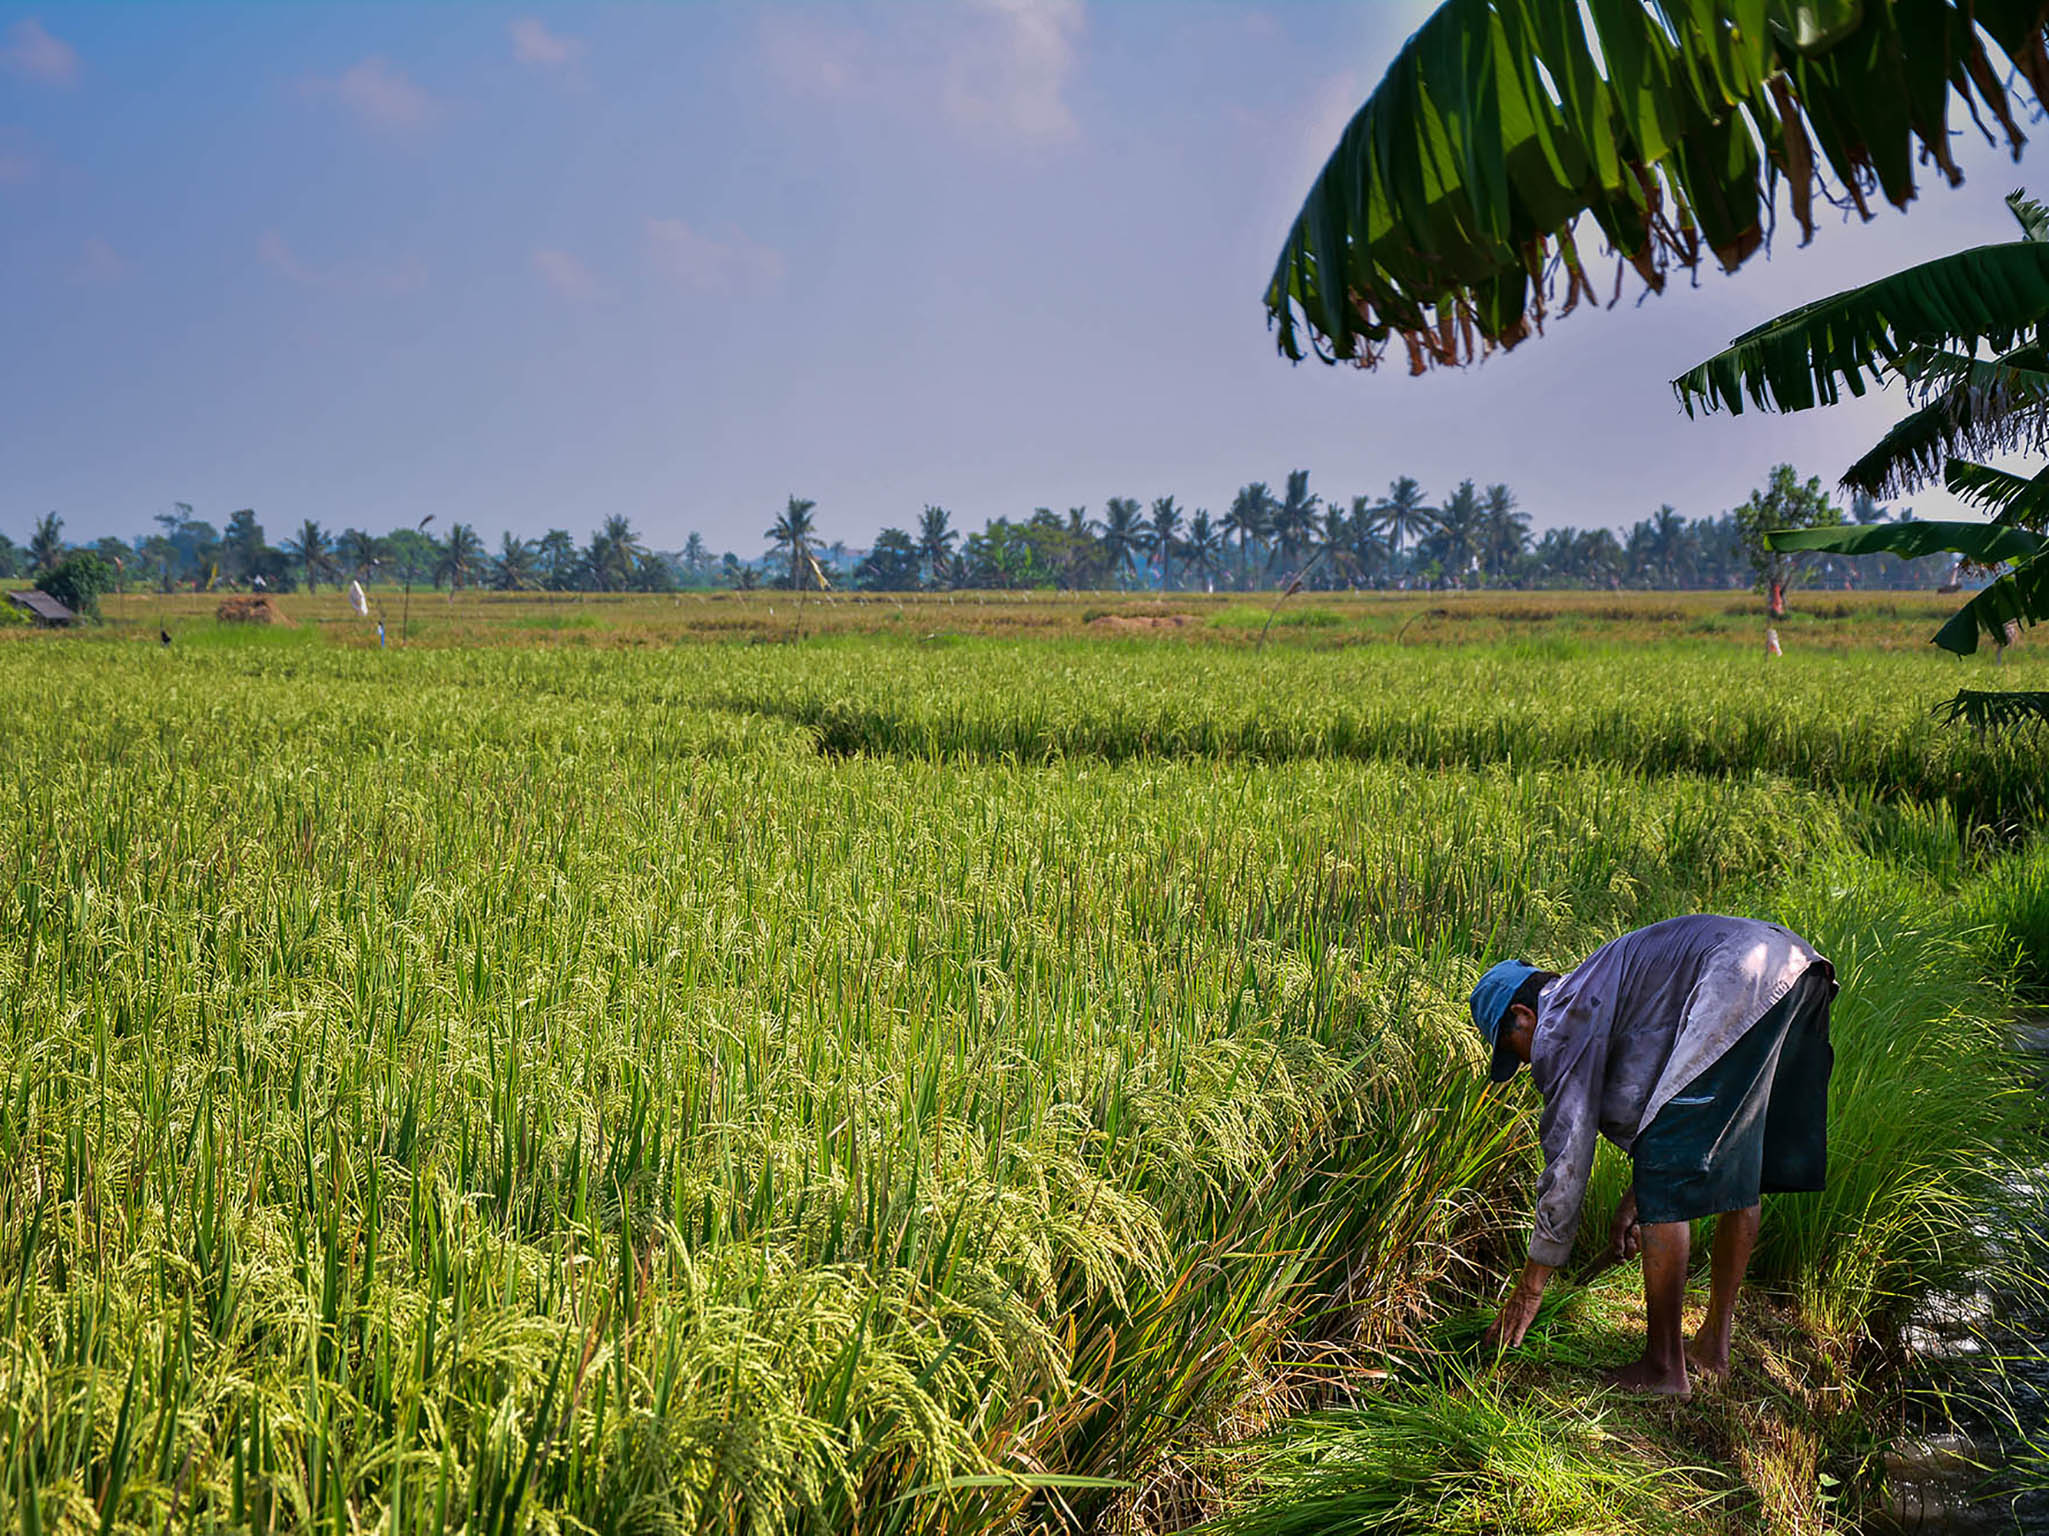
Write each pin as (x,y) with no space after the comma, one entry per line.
(1928,1106)
(1461,1453)
(520,1088)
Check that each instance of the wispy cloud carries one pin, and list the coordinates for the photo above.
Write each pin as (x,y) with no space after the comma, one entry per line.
(533,43)
(276,253)
(566,275)
(729,266)
(812,56)
(1007,75)
(998,70)
(34,54)
(99,263)
(383,97)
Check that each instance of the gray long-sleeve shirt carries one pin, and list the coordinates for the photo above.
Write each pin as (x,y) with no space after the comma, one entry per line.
(1640,1018)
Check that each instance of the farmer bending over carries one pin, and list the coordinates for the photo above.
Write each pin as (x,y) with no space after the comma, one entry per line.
(1700,1047)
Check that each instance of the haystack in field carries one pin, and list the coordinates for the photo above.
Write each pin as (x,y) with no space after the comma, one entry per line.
(250,610)
(1137,623)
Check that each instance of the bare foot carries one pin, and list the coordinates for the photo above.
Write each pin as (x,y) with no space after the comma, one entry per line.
(1649,1380)
(1707,1361)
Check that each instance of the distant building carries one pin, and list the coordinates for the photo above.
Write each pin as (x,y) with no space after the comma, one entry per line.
(42,607)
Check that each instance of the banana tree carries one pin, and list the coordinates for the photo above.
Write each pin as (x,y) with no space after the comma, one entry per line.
(2018,598)
(2000,611)
(1931,326)
(1447,220)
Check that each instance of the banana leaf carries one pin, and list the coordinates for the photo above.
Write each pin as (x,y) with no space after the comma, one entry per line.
(1446,221)
(2017,501)
(1969,405)
(2015,601)
(1979,543)
(1983,711)
(1992,294)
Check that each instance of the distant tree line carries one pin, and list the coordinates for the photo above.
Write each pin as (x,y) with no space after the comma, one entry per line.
(188,552)
(1473,537)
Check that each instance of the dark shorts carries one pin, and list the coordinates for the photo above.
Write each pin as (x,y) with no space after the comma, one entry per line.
(1755,1122)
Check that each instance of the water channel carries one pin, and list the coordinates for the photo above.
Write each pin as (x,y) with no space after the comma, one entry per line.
(1978,1457)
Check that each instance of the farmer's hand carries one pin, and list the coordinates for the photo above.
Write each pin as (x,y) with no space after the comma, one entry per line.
(1520,1310)
(1625,1237)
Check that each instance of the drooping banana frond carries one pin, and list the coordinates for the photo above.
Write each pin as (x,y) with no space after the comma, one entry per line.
(2001,611)
(2016,501)
(1979,543)
(1967,404)
(1995,711)
(2034,218)
(1445,218)
(1991,295)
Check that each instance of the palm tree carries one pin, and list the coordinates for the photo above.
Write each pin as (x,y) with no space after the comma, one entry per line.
(1123,534)
(1079,548)
(935,540)
(1597,557)
(462,557)
(1331,539)
(1665,541)
(791,534)
(311,549)
(1229,528)
(1250,520)
(557,551)
(1441,237)
(615,554)
(696,558)
(1204,547)
(1161,533)
(46,542)
(516,569)
(357,551)
(1506,531)
(242,543)
(1406,513)
(1461,528)
(1294,519)
(1369,543)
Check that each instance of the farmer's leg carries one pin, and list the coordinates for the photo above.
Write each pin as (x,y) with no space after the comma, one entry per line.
(1735,1236)
(1663,1366)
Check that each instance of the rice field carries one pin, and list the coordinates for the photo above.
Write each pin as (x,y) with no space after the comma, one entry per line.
(875,1085)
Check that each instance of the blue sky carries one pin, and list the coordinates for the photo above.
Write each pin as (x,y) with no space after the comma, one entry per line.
(528,268)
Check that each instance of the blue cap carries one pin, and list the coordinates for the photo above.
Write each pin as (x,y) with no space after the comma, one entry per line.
(1489,1003)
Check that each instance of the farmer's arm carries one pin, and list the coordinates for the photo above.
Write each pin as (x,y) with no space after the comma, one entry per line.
(1568,1131)
(1625,1237)
(1520,1309)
